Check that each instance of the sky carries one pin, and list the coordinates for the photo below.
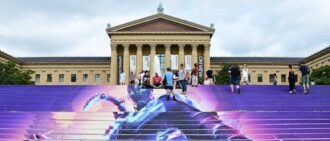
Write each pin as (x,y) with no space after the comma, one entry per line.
(277,28)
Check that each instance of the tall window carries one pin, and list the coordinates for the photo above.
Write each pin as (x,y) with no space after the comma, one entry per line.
(61,78)
(108,77)
(85,77)
(259,78)
(249,77)
(73,77)
(49,78)
(37,79)
(283,78)
(97,78)
(161,58)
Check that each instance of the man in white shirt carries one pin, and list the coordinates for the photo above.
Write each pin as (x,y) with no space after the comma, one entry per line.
(245,75)
(122,78)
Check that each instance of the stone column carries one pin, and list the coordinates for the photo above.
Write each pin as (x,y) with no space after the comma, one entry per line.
(139,58)
(206,55)
(126,62)
(114,65)
(194,54)
(152,60)
(181,54)
(167,56)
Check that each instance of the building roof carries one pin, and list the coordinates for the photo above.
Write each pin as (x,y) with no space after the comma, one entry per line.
(28,60)
(317,54)
(268,60)
(9,57)
(160,23)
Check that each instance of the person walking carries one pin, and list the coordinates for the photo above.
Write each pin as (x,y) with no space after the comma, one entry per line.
(235,75)
(122,78)
(210,76)
(245,75)
(305,71)
(183,80)
(194,77)
(292,80)
(168,82)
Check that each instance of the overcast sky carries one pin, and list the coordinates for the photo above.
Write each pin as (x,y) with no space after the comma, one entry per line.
(295,28)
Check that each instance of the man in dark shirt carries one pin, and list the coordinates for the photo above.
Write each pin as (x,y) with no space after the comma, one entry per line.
(146,80)
(235,77)
(210,75)
(305,77)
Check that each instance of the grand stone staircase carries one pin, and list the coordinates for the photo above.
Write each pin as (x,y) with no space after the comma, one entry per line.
(265,113)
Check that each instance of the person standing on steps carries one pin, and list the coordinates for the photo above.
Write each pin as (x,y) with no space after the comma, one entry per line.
(245,75)
(132,78)
(305,71)
(210,76)
(183,79)
(235,75)
(292,80)
(275,79)
(194,77)
(141,77)
(168,83)
(122,78)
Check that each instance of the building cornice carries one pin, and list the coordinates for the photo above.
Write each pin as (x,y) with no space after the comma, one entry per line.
(256,60)
(113,30)
(9,57)
(317,55)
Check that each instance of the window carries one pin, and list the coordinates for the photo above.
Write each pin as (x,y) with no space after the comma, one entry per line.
(49,78)
(73,77)
(97,78)
(283,78)
(259,78)
(108,77)
(37,79)
(249,77)
(61,77)
(85,77)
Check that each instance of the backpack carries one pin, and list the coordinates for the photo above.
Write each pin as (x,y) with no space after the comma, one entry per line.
(308,70)
(164,80)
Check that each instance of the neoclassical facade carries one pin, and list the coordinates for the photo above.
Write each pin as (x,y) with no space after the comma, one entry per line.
(135,45)
(152,44)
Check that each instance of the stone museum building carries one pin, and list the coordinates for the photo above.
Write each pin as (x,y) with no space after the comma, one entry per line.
(152,44)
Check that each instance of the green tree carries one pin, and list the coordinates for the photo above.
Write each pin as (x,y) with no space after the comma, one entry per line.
(321,76)
(11,75)
(222,77)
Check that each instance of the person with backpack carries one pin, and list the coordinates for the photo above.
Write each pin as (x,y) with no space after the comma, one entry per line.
(168,83)
(305,71)
(292,80)
(235,75)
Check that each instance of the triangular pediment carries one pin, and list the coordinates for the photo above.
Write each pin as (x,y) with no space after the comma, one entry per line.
(160,23)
